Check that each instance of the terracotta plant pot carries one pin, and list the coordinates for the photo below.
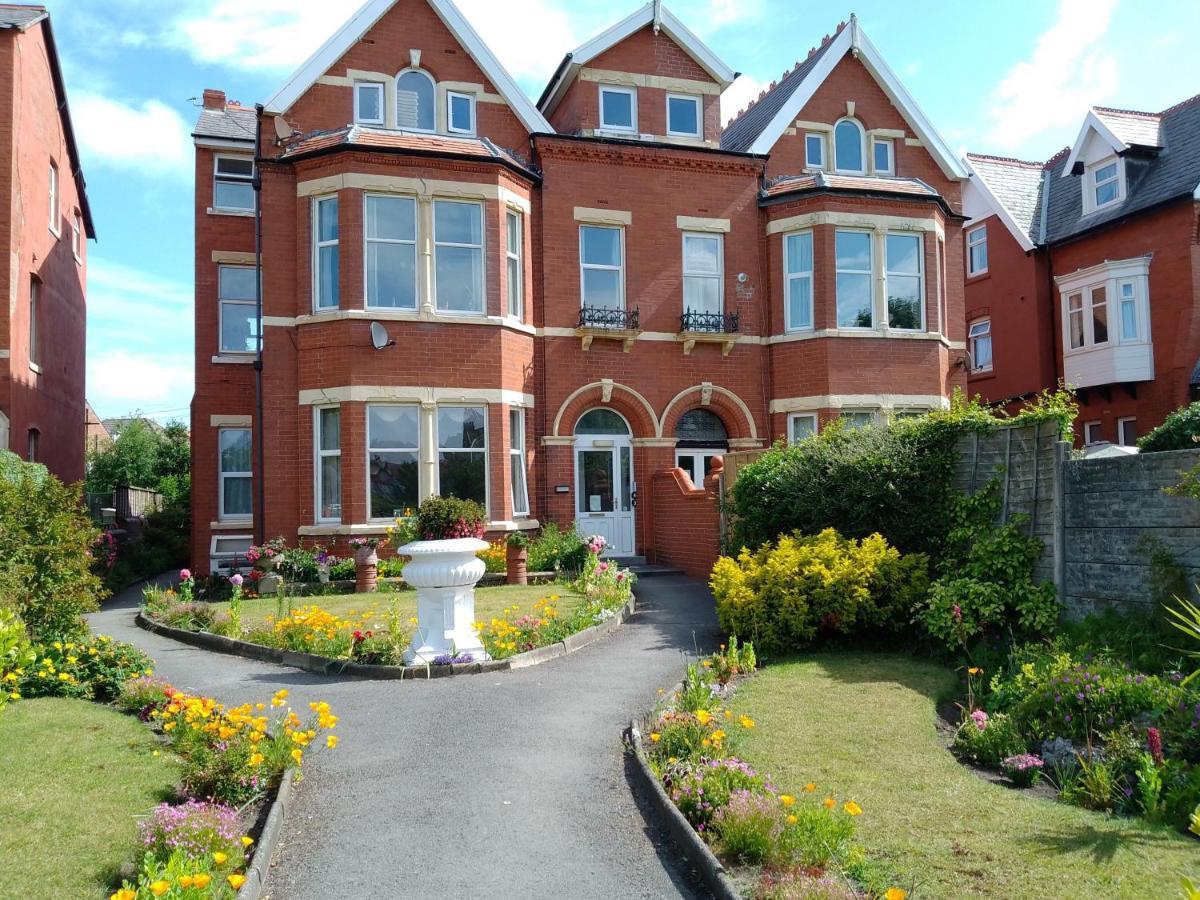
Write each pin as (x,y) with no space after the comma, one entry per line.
(516,559)
(366,569)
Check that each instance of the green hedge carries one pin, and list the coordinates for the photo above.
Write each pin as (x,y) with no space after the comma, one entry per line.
(1179,431)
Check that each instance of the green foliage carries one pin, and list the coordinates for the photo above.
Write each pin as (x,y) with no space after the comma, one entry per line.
(696,691)
(748,827)
(786,593)
(732,660)
(817,838)
(1145,640)
(1185,616)
(164,545)
(93,669)
(700,789)
(558,550)
(990,745)
(156,873)
(1095,786)
(146,457)
(518,540)
(1179,431)
(15,655)
(46,560)
(442,518)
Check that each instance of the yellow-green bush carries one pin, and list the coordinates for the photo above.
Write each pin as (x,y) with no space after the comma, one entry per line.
(784,594)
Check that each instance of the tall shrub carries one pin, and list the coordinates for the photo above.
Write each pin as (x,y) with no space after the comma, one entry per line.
(46,541)
(1179,431)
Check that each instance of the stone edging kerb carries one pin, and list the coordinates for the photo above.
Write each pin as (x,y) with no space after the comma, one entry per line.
(680,829)
(325,665)
(268,841)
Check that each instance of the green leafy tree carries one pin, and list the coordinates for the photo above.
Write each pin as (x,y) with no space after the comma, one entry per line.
(146,457)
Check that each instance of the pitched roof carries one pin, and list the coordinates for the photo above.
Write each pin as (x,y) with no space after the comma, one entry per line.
(361,22)
(652,14)
(821,181)
(1131,127)
(766,128)
(1016,188)
(20,17)
(233,123)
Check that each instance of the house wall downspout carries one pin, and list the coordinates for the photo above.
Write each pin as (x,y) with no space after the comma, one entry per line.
(260,480)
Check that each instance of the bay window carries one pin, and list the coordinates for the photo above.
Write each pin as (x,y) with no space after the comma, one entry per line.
(458,256)
(1127,292)
(390,230)
(798,281)
(237,301)
(801,426)
(854,262)
(393,459)
(905,281)
(1105,314)
(516,459)
(234,495)
(703,265)
(326,255)
(513,259)
(462,452)
(855,419)
(328,447)
(602,266)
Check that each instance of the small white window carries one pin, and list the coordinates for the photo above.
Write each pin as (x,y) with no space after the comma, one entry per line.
(618,108)
(883,149)
(390,233)
(684,117)
(980,335)
(326,255)
(1075,320)
(1106,183)
(977,251)
(368,103)
(801,426)
(814,150)
(234,490)
(602,267)
(513,256)
(858,418)
(516,457)
(1127,290)
(703,267)
(54,223)
(460,112)
(327,442)
(798,281)
(35,353)
(415,94)
(905,269)
(1092,433)
(77,236)
(855,279)
(233,183)
(848,149)
(458,256)
(237,301)
(1098,299)
(1127,431)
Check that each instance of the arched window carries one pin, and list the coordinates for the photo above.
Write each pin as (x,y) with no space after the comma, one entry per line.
(848,149)
(700,438)
(415,101)
(601,421)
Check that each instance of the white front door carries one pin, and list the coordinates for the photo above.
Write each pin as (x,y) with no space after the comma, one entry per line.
(604,487)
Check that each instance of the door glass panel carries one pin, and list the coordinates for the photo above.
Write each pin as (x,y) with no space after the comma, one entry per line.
(596,481)
(685,461)
(626,479)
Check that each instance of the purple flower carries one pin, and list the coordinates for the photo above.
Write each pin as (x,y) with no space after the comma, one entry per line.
(1079,695)
(236,580)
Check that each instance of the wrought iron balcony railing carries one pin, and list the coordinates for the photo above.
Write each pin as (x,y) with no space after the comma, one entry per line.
(712,323)
(608,317)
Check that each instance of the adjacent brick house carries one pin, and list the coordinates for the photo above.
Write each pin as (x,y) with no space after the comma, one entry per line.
(1086,270)
(45,224)
(568,297)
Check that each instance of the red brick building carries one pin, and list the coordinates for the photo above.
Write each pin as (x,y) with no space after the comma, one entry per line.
(569,297)
(45,224)
(1086,270)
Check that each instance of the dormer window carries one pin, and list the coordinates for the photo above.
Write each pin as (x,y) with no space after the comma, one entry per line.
(683,115)
(848,149)
(618,108)
(1106,183)
(460,113)
(415,104)
(368,103)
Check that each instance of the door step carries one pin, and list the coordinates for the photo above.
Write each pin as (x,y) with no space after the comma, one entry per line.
(627,562)
(650,571)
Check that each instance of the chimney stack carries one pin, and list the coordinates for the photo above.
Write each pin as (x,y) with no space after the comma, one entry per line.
(214,99)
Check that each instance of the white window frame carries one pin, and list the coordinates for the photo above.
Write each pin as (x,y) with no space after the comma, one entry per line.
(696,102)
(415,450)
(222,516)
(620,268)
(438,450)
(920,276)
(481,247)
(973,339)
(219,176)
(1122,301)
(869,272)
(318,245)
(1121,423)
(848,413)
(54,223)
(451,96)
(35,350)
(516,456)
(1088,439)
(823,142)
(514,259)
(891,155)
(719,277)
(378,89)
(77,236)
(222,302)
(632,94)
(433,85)
(367,241)
(1113,276)
(1091,185)
(794,418)
(862,147)
(790,276)
(321,453)
(976,237)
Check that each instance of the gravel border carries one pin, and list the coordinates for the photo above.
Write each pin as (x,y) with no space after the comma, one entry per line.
(325,665)
(268,840)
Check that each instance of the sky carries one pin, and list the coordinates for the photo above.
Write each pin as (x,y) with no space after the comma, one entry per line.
(1011,78)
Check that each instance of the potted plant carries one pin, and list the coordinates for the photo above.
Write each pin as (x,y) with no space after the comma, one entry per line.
(323,559)
(444,568)
(266,557)
(366,563)
(517,558)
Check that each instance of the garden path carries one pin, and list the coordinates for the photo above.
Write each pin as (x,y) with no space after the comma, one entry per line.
(512,784)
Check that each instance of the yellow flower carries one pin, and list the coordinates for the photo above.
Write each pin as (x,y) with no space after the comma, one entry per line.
(852,808)
(247,840)
(160,887)
(718,735)
(186,881)
(791,819)
(703,716)
(747,722)
(895,894)
(672,759)
(331,741)
(255,760)
(167,726)
(810,787)
(220,858)
(974,670)
(829,803)
(707,664)
(729,713)
(236,881)
(655,736)
(124,894)
(201,880)
(787,799)
(297,755)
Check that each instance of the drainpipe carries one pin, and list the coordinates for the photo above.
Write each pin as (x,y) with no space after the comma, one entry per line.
(259,454)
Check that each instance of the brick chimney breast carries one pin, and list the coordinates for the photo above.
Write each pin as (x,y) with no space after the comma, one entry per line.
(214,99)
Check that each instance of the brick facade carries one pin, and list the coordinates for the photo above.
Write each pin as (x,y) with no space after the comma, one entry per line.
(653,190)
(42,405)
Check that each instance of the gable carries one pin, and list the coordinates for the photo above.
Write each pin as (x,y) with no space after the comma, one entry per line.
(645,52)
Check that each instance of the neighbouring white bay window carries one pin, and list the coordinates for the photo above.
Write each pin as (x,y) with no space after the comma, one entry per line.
(1105,314)
(458,256)
(328,445)
(390,231)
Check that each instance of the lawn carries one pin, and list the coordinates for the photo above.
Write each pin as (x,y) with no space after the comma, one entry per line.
(76,775)
(862,727)
(489,602)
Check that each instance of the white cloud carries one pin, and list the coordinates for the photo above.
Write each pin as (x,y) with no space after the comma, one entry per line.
(149,136)
(122,381)
(1068,71)
(738,96)
(530,45)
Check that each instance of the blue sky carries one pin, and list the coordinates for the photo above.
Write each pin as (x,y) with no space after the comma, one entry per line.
(1003,77)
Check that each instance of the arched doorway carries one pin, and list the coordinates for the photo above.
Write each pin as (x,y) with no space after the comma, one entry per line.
(700,438)
(604,479)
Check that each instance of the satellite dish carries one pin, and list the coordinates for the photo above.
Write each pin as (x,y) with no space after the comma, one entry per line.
(379,337)
(282,129)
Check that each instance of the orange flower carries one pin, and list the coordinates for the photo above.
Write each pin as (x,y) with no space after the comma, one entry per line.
(830,803)
(852,808)
(236,881)
(787,799)
(810,787)
(895,894)
(202,880)
(160,887)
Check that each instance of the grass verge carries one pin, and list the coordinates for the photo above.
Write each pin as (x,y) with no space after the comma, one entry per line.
(862,726)
(76,776)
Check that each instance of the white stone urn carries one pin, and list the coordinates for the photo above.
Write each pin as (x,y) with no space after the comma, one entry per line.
(445,574)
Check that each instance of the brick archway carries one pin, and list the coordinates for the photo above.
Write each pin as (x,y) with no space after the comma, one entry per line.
(607,394)
(726,405)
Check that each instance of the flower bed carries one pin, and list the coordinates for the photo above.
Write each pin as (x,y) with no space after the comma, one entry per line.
(775,843)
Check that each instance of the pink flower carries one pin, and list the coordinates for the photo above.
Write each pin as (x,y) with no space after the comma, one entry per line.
(980,718)
(236,580)
(1154,745)
(957,613)
(185,574)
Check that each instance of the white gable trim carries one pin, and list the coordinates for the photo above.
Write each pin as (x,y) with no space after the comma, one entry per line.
(853,39)
(1091,123)
(652,14)
(992,202)
(362,21)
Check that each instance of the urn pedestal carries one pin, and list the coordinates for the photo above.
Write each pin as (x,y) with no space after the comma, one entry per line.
(445,574)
